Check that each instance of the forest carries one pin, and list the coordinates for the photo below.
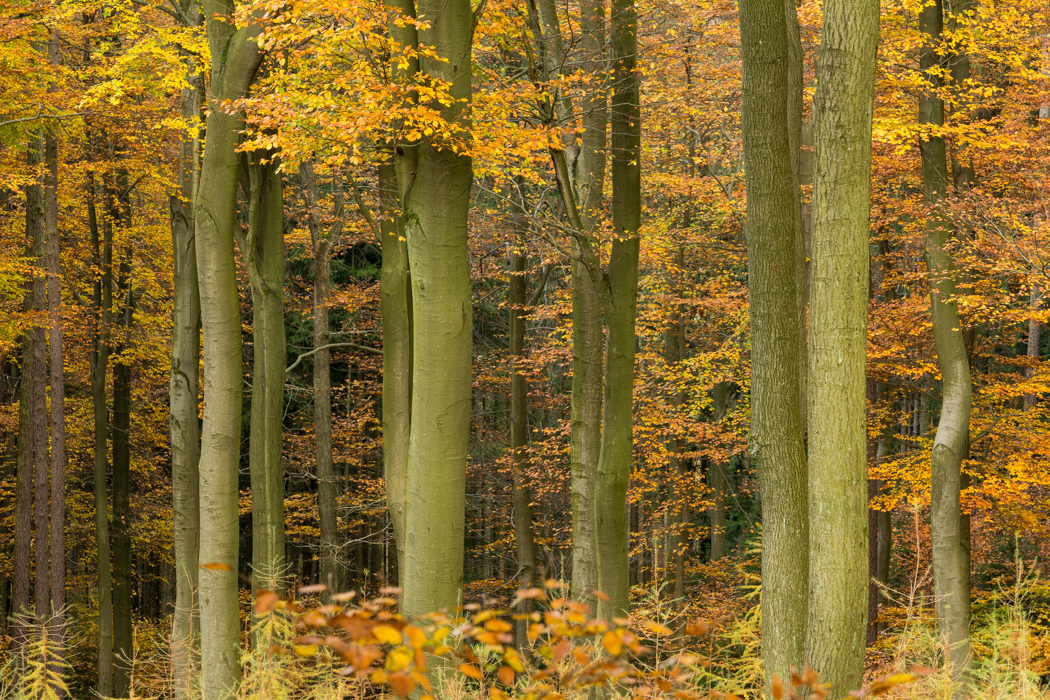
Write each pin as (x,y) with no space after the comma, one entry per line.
(524,349)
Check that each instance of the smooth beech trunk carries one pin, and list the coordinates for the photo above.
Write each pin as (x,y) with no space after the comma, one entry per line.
(950,563)
(262,248)
(436,203)
(184,393)
(235,57)
(838,302)
(776,441)
(396,311)
(621,298)
(588,351)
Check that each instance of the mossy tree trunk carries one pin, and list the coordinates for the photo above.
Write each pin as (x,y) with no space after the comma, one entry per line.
(838,302)
(776,441)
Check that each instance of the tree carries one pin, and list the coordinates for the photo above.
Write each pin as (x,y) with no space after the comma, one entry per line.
(235,57)
(776,441)
(951,444)
(436,202)
(838,302)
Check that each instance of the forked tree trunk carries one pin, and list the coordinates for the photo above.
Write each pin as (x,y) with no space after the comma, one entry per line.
(838,463)
(621,298)
(776,441)
(436,205)
(235,57)
(950,564)
(263,250)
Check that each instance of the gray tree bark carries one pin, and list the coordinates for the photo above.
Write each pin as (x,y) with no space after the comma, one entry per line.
(437,200)
(235,57)
(950,563)
(184,391)
(262,248)
(838,464)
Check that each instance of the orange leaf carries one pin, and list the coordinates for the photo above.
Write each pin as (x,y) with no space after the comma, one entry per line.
(471,671)
(401,684)
(506,675)
(215,566)
(264,602)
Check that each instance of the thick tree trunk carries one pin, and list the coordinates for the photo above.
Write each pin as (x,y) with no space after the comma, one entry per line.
(838,464)
(776,441)
(436,206)
(587,326)
(617,445)
(235,58)
(184,394)
(396,311)
(102,299)
(952,437)
(263,252)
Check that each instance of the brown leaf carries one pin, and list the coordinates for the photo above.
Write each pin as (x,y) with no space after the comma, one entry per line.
(313,588)
(401,684)
(264,602)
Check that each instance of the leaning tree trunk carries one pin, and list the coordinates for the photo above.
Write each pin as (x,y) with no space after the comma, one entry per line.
(235,57)
(184,393)
(950,444)
(436,206)
(838,440)
(621,299)
(263,251)
(776,441)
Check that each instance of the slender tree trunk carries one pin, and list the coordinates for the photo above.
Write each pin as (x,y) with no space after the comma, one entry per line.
(795,142)
(121,531)
(1034,337)
(885,522)
(235,57)
(263,252)
(674,351)
(436,206)
(617,445)
(952,437)
(776,441)
(184,395)
(838,464)
(717,479)
(327,481)
(396,312)
(38,407)
(524,536)
(587,326)
(102,298)
(396,299)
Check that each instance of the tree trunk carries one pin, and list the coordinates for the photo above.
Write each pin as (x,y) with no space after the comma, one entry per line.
(32,426)
(1034,333)
(587,336)
(720,398)
(184,394)
(776,441)
(838,464)
(674,351)
(121,529)
(102,298)
(524,536)
(436,206)
(38,411)
(952,437)
(235,58)
(396,304)
(263,251)
(621,298)
(327,481)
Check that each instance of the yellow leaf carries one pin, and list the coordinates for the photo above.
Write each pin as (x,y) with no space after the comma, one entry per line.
(612,643)
(386,634)
(305,650)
